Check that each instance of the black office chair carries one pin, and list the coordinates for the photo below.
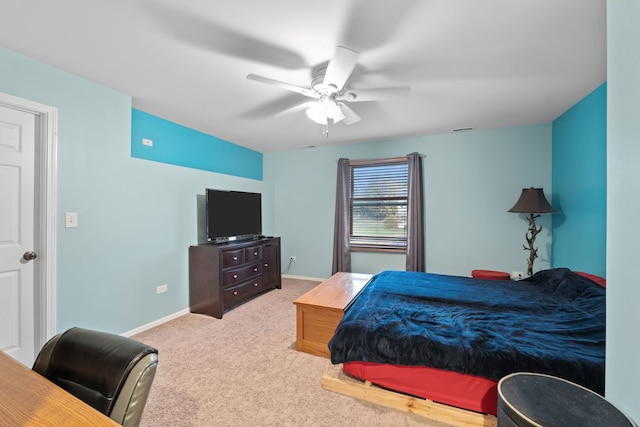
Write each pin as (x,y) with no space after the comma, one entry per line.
(110,372)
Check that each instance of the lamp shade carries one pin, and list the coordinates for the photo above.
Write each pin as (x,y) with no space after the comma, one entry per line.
(532,201)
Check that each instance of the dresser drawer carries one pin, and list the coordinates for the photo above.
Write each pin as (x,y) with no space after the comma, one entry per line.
(232,258)
(237,275)
(238,293)
(254,253)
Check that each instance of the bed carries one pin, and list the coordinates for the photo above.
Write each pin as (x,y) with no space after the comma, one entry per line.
(450,339)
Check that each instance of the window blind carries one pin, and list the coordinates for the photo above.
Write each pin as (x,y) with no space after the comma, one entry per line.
(378,205)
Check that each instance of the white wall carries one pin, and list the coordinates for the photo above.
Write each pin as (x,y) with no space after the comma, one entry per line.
(471,180)
(623,206)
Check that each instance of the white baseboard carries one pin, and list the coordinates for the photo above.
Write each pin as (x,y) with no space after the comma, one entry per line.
(155,323)
(186,310)
(313,279)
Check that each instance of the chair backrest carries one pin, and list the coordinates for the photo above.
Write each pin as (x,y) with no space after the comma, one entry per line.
(110,372)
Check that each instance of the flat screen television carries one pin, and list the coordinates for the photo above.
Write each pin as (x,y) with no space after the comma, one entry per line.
(233,215)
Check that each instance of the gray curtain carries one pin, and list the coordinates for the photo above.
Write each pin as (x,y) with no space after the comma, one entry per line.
(341,252)
(415,215)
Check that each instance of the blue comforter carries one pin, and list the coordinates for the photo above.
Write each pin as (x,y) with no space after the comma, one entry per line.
(552,322)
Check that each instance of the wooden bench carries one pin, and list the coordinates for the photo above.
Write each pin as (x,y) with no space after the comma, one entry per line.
(319,311)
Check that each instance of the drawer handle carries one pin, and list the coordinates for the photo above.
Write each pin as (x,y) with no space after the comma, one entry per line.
(255,284)
(235,258)
(266,265)
(235,292)
(255,269)
(235,276)
(255,254)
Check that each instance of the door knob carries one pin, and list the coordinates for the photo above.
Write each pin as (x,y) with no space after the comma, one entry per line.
(30,255)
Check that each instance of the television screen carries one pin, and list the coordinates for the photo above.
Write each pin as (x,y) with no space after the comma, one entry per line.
(233,215)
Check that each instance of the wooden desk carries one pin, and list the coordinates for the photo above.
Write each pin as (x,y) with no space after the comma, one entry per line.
(29,399)
(319,311)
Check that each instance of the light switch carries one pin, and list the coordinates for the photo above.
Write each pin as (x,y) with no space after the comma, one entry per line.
(71,219)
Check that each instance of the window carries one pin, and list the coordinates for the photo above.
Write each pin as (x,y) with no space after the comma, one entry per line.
(378,205)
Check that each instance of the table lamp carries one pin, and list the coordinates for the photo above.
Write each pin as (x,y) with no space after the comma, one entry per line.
(532,202)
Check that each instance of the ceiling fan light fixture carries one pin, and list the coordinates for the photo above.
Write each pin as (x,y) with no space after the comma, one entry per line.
(326,108)
(317,113)
(334,111)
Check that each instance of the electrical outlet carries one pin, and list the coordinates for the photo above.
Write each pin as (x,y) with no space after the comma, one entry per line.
(162,289)
(292,258)
(70,219)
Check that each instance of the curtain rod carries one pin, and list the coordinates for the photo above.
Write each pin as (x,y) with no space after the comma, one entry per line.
(373,161)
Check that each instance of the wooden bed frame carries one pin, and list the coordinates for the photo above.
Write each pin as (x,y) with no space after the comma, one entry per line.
(318,313)
(333,379)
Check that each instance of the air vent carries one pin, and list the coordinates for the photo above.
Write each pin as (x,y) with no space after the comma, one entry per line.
(462,129)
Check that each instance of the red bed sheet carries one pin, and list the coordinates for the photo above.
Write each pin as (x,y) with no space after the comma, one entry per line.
(451,388)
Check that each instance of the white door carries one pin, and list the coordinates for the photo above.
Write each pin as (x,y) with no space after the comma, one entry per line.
(17,295)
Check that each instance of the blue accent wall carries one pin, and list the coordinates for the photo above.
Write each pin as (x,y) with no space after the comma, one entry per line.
(579,170)
(178,145)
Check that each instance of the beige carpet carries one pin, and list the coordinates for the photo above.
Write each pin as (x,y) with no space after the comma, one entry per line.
(243,370)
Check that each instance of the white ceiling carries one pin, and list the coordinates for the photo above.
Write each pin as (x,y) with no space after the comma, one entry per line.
(470,63)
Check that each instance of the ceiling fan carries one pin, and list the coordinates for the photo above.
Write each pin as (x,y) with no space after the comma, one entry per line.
(329,92)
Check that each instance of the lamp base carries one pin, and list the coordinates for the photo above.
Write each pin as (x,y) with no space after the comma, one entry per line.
(532,232)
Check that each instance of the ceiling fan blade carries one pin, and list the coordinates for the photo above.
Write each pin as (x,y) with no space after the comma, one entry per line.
(340,67)
(273,106)
(367,27)
(376,94)
(200,32)
(293,88)
(350,116)
(296,108)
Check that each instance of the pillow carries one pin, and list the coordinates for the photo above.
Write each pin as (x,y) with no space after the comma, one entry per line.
(599,280)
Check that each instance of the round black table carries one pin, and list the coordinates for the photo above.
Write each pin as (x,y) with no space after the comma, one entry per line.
(528,399)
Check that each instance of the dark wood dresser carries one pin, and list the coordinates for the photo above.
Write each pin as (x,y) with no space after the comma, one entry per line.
(226,275)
